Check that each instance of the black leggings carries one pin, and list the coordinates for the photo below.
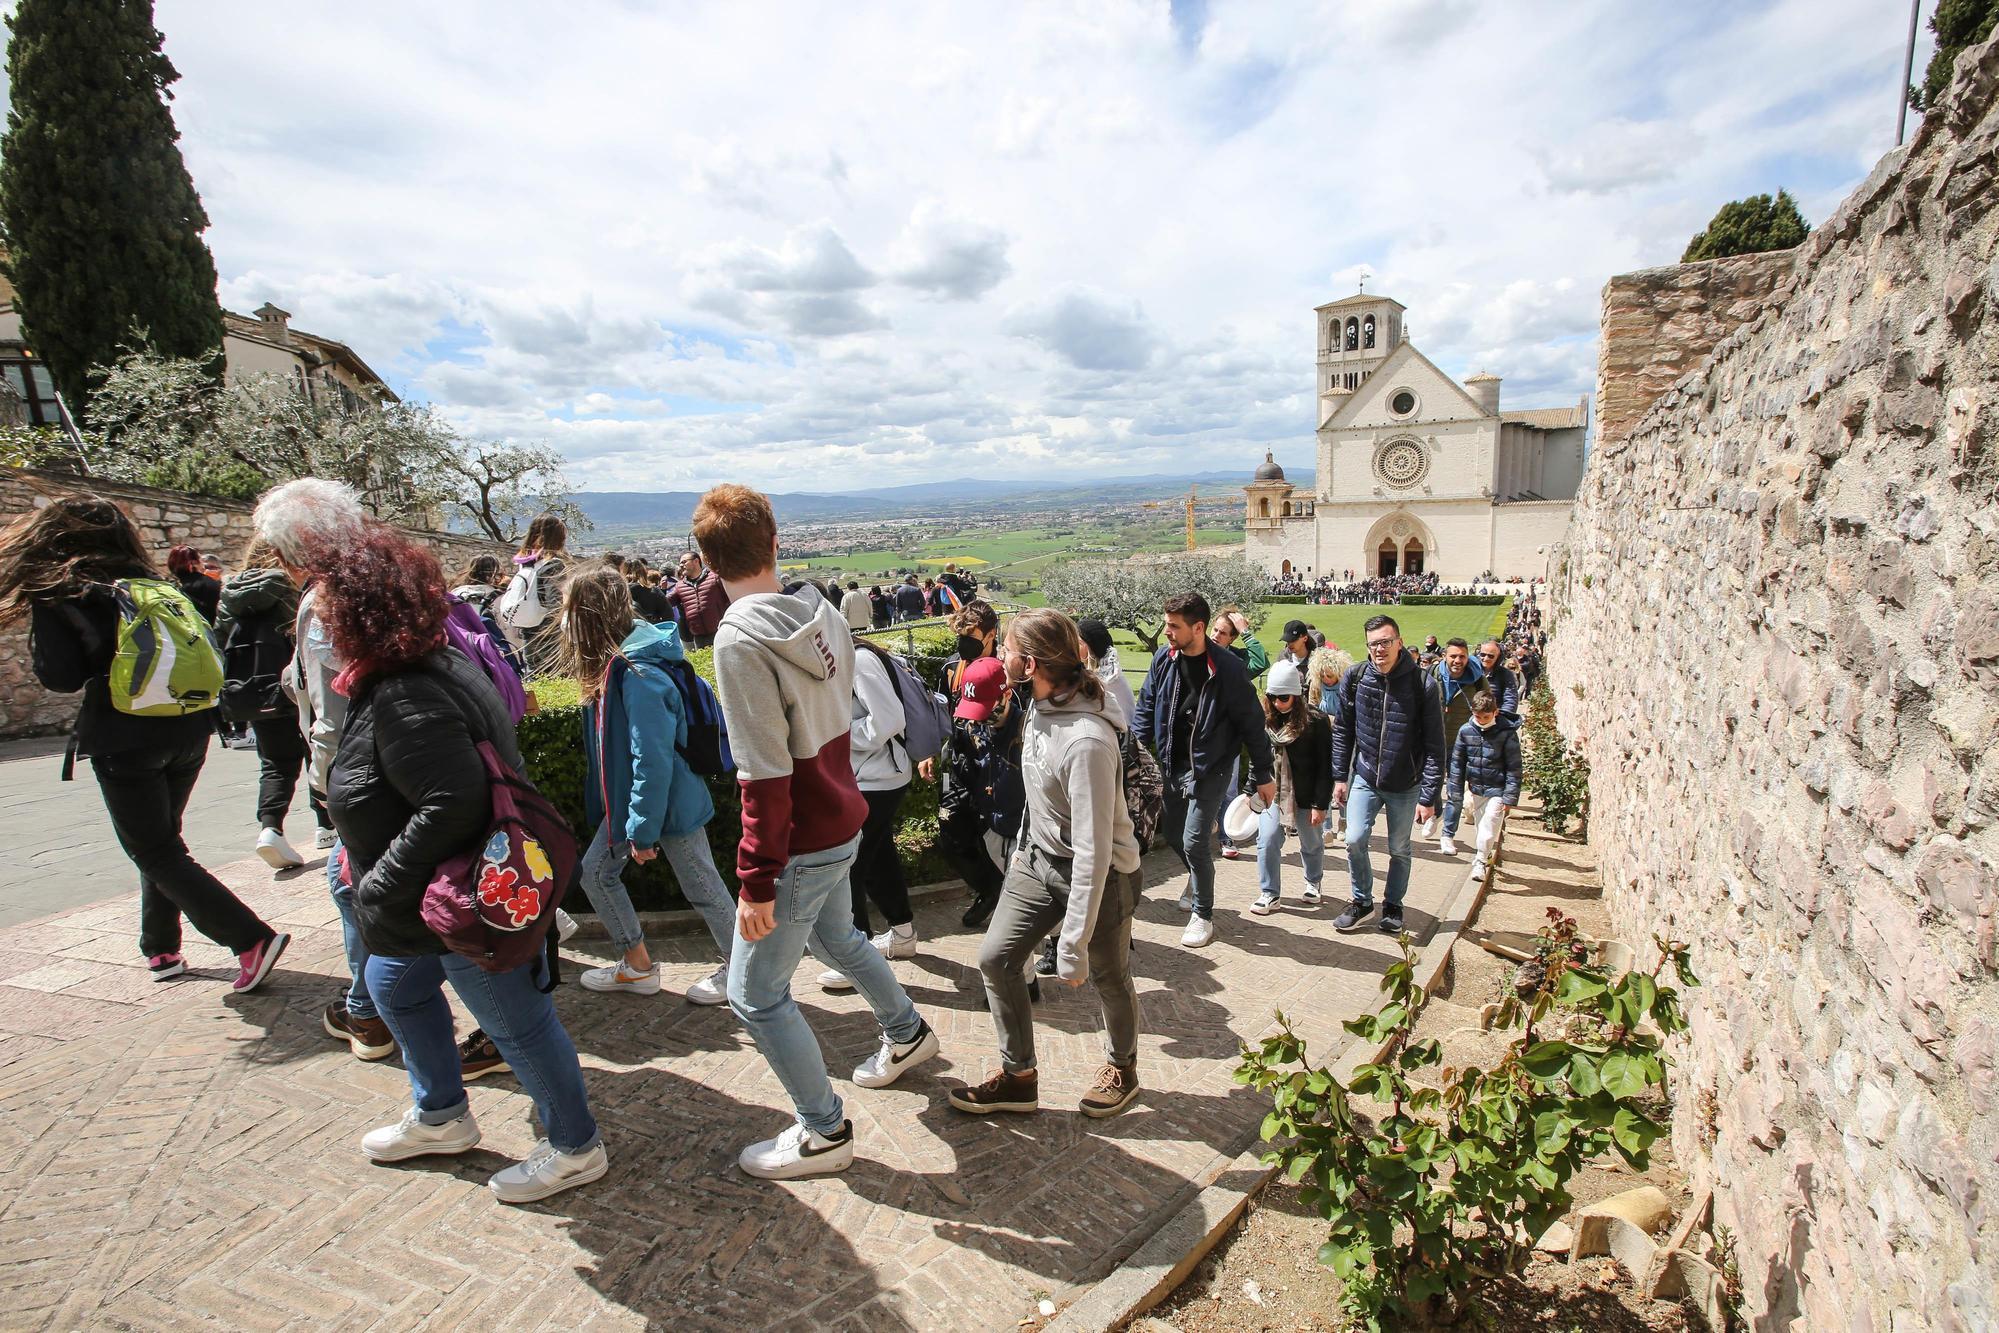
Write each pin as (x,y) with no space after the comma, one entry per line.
(877,872)
(281,755)
(145,793)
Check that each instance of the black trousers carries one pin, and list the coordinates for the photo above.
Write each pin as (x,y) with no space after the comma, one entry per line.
(281,753)
(145,793)
(877,872)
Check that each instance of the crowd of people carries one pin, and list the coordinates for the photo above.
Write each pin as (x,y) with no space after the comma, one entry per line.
(1348,588)
(393,692)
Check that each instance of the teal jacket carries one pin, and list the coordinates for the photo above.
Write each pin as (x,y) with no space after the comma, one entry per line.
(635,776)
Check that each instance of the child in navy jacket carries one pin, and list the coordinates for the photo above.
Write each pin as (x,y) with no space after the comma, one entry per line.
(1486,758)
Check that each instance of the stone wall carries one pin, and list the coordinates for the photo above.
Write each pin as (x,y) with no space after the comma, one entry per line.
(1659,323)
(167,518)
(1776,639)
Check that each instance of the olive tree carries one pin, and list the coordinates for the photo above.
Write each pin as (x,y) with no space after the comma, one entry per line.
(1131,594)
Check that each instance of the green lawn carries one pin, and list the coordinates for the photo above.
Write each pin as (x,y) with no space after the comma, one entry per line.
(1342,626)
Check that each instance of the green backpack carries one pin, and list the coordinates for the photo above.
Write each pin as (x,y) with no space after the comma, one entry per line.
(166,664)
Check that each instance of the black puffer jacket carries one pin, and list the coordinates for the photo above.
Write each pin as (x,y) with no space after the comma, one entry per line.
(409,790)
(1310,756)
(1391,729)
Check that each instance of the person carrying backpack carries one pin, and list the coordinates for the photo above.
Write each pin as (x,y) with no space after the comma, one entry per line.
(882,770)
(411,793)
(98,612)
(639,791)
(525,611)
(258,611)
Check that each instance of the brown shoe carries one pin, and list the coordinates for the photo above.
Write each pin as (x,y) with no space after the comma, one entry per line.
(1114,1090)
(368,1038)
(478,1057)
(1001,1092)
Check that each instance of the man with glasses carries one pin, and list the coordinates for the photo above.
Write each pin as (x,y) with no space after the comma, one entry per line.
(1505,686)
(1388,754)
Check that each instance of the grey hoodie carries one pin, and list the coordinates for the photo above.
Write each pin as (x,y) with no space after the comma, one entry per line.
(784,668)
(1075,810)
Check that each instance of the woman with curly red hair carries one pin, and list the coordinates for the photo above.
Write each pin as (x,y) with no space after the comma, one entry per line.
(409,791)
(201,588)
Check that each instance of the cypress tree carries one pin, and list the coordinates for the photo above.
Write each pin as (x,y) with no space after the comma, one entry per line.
(100,218)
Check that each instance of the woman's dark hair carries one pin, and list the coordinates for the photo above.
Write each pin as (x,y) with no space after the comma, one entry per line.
(1096,637)
(1050,638)
(382,601)
(62,548)
(183,560)
(482,569)
(547,534)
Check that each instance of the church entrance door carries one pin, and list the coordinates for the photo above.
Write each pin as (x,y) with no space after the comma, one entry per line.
(1412,557)
(1385,560)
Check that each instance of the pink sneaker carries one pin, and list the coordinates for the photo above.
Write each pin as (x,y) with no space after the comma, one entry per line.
(259,960)
(166,966)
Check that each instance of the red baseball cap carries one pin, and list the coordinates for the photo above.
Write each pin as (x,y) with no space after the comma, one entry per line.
(981,689)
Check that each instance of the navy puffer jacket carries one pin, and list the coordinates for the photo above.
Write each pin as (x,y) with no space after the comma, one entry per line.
(1390,731)
(1489,759)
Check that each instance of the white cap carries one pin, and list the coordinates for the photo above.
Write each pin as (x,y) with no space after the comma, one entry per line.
(1284,678)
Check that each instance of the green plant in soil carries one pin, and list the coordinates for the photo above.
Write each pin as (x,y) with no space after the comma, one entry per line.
(1552,770)
(1456,1179)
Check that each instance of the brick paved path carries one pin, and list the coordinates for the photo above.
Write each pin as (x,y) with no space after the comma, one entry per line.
(178,1155)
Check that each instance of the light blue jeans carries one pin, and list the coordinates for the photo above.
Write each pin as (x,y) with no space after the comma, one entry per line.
(693,865)
(512,1009)
(1270,850)
(1363,804)
(359,1004)
(814,907)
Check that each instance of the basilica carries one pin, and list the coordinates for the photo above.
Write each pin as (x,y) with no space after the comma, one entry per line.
(1416,472)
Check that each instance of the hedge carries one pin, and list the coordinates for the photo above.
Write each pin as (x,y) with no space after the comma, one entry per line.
(551,743)
(1456,599)
(1287,599)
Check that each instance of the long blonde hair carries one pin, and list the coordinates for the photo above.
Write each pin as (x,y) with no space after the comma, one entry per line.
(596,616)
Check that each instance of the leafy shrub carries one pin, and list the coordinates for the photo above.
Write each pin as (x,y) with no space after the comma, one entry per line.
(551,742)
(1286,599)
(1453,599)
(1550,769)
(1457,1179)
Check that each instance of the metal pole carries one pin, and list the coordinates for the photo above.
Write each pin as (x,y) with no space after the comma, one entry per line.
(1908,73)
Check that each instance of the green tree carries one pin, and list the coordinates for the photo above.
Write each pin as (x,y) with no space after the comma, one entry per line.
(1957,25)
(1750,226)
(101,221)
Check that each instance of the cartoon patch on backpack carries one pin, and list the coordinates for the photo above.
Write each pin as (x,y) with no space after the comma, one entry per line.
(513,878)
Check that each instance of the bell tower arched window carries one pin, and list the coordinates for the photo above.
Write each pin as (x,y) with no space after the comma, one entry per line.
(1263,508)
(1367,332)
(1353,334)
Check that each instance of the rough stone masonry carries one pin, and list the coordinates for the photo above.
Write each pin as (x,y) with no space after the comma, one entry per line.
(1776,639)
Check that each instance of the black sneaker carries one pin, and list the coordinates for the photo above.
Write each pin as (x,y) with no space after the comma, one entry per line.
(1350,919)
(980,911)
(1391,921)
(1046,967)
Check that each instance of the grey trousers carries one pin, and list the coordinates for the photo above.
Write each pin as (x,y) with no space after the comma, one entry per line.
(1033,901)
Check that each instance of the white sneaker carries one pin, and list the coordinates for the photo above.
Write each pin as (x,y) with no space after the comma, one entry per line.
(325,838)
(896,941)
(1264,905)
(410,1137)
(892,1061)
(799,1152)
(1430,827)
(1186,903)
(1478,869)
(1199,934)
(1447,846)
(546,1171)
(276,852)
(1310,897)
(565,926)
(834,979)
(621,978)
(712,989)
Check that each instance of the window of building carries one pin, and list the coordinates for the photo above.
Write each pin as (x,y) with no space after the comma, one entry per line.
(1263,508)
(1402,402)
(1367,332)
(1353,334)
(32,384)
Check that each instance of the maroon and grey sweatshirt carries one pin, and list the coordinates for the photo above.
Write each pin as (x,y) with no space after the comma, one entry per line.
(784,667)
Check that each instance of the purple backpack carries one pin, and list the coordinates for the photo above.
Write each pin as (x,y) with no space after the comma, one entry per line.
(494,905)
(465,629)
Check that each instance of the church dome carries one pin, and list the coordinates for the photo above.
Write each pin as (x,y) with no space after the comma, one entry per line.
(1268,469)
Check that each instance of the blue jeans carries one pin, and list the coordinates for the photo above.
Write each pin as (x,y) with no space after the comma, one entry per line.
(509,1007)
(359,1003)
(1270,849)
(1453,810)
(814,906)
(1189,817)
(693,865)
(1363,804)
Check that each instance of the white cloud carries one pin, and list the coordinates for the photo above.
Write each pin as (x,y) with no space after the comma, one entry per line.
(715,241)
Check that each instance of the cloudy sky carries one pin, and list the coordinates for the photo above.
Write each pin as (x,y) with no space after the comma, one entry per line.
(826,246)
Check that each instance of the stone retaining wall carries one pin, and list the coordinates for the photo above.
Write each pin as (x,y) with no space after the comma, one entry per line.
(167,518)
(1776,638)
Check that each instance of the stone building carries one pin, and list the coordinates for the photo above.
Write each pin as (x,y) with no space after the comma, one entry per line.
(1416,472)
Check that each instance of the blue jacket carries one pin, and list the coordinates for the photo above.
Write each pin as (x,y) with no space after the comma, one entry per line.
(1226,718)
(634,773)
(1391,729)
(1505,687)
(1487,759)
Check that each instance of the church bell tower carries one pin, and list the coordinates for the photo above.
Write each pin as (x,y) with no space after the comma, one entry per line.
(1355,336)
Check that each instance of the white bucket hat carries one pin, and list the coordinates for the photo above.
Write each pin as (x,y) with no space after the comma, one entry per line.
(1239,821)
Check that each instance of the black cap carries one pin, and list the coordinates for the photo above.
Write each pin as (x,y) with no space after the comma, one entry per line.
(1295,629)
(1096,636)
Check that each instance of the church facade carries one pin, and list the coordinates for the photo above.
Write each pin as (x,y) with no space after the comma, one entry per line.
(1417,473)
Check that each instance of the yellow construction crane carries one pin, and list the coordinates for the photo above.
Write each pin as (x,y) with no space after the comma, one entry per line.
(1193,499)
